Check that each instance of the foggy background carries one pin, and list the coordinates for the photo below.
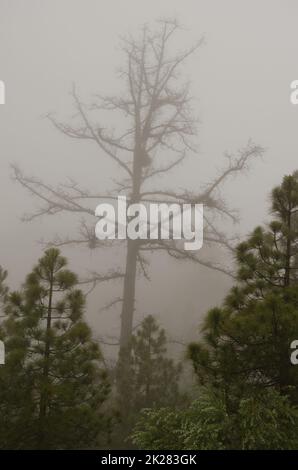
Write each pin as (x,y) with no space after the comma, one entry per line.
(240,81)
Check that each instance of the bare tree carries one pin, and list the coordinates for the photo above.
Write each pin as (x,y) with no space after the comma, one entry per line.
(158,135)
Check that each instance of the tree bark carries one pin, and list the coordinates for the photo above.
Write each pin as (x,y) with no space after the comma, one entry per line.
(129,288)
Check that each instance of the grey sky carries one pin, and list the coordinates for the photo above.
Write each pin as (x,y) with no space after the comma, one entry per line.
(241,84)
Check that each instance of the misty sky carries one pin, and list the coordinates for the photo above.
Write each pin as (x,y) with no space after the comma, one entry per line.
(240,80)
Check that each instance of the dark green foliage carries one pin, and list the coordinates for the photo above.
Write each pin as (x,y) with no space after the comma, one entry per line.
(53,384)
(150,378)
(53,387)
(247,340)
(263,421)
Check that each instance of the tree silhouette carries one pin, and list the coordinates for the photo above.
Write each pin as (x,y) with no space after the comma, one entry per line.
(150,379)
(158,136)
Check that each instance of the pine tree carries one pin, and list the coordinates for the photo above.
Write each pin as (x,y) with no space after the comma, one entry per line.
(151,379)
(263,421)
(53,384)
(247,340)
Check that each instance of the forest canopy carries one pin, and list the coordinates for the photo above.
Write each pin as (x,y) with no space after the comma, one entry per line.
(57,392)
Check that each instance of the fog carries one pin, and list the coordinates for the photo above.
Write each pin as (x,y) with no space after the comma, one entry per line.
(240,81)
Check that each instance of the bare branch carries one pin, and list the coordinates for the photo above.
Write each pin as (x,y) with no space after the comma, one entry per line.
(170,247)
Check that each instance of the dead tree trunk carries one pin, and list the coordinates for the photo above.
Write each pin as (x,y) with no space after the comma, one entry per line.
(130,277)
(129,288)
(157,138)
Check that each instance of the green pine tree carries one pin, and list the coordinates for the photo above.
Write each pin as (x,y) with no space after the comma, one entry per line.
(263,421)
(151,379)
(247,341)
(53,384)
